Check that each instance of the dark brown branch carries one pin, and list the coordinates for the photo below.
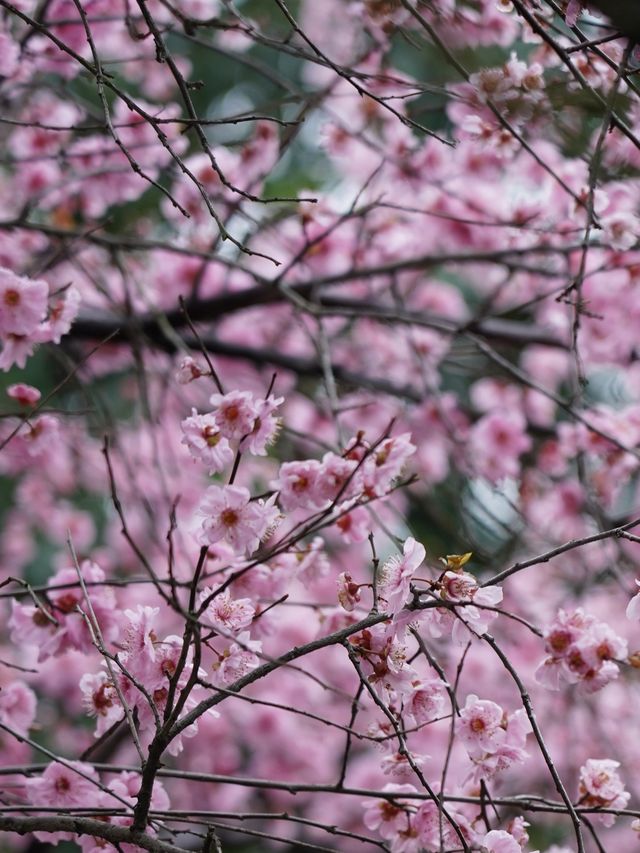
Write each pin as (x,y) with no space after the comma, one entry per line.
(86,826)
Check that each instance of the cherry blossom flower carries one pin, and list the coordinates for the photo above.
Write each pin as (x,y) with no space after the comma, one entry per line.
(580,649)
(101,700)
(430,827)
(23,303)
(238,660)
(140,640)
(499,841)
(63,310)
(348,592)
(494,740)
(312,562)
(354,525)
(230,515)
(36,626)
(26,395)
(427,700)
(337,478)
(225,613)
(601,786)
(480,726)
(188,370)
(394,578)
(235,413)
(205,441)
(16,349)
(296,485)
(397,764)
(621,229)
(390,817)
(633,607)
(496,442)
(18,706)
(517,827)
(64,785)
(265,428)
(384,661)
(386,463)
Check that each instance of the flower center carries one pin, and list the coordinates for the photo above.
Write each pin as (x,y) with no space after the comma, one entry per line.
(67,603)
(11,298)
(232,412)
(62,785)
(229,517)
(211,436)
(101,701)
(301,483)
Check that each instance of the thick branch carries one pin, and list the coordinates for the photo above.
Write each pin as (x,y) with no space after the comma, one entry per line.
(85,826)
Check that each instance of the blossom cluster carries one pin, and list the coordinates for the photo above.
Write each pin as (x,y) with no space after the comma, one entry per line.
(75,784)
(494,740)
(30,314)
(581,650)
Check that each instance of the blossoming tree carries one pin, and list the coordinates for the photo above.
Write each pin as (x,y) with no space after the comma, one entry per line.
(320,426)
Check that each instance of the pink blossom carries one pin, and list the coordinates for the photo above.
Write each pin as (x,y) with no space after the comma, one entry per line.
(64,785)
(518,828)
(633,607)
(16,349)
(430,828)
(23,303)
(580,649)
(17,706)
(205,441)
(601,786)
(235,413)
(63,310)
(458,586)
(238,660)
(621,229)
(354,525)
(337,478)
(496,443)
(36,626)
(225,613)
(348,592)
(392,816)
(42,435)
(499,841)
(507,751)
(26,395)
(312,562)
(387,462)
(427,700)
(67,604)
(397,764)
(100,700)
(296,485)
(9,54)
(480,726)
(188,370)
(140,639)
(394,578)
(474,619)
(384,661)
(265,428)
(229,515)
